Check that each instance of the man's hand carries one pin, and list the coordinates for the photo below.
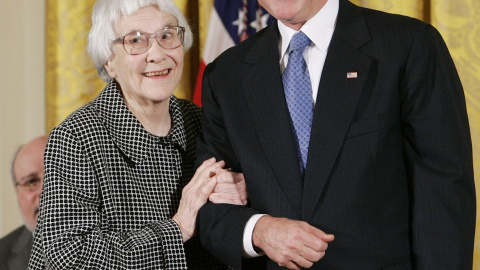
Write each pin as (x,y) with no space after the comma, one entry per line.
(290,243)
(230,188)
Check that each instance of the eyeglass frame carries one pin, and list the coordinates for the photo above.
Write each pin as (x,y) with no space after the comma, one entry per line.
(30,185)
(180,33)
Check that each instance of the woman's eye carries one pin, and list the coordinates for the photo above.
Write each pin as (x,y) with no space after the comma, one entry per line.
(166,35)
(137,40)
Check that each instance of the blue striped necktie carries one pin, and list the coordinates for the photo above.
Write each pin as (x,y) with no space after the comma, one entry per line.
(298,93)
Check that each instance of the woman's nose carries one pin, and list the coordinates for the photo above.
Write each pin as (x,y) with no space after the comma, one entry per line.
(156,53)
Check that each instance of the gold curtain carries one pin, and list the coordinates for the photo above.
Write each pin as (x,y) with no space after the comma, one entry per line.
(192,60)
(72,80)
(204,10)
(412,8)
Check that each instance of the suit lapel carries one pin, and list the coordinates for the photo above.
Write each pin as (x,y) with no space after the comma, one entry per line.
(264,94)
(336,103)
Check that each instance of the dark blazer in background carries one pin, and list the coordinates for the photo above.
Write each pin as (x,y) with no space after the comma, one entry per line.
(15,249)
(389,170)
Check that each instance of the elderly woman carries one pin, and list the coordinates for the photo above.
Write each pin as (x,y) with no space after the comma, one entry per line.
(115,169)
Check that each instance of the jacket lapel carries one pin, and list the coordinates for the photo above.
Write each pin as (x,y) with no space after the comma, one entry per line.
(264,94)
(336,102)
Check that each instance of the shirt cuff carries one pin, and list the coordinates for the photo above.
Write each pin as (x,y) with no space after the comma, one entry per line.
(248,250)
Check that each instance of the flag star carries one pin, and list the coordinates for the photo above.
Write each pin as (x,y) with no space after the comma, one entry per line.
(260,21)
(256,23)
(264,20)
(239,22)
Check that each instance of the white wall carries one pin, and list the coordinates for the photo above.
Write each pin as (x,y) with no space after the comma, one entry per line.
(22,91)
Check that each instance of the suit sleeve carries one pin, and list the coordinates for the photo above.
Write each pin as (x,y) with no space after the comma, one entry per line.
(219,226)
(438,156)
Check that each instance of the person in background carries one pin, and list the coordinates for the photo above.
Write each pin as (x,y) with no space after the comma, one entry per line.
(120,190)
(27,175)
(351,129)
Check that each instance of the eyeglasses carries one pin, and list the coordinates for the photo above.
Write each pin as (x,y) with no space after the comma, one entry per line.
(170,37)
(31,184)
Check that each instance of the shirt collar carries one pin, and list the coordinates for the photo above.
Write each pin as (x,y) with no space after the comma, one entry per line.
(128,133)
(317,28)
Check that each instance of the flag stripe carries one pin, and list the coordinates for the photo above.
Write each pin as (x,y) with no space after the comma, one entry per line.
(197,94)
(218,39)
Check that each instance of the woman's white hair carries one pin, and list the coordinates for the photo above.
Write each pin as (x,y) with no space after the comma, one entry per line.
(107,13)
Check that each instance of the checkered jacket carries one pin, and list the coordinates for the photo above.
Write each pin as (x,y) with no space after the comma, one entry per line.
(111,189)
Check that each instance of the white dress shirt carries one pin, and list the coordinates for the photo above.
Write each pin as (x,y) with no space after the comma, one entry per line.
(319,29)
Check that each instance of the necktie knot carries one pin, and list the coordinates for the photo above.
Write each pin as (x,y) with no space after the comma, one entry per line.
(299,42)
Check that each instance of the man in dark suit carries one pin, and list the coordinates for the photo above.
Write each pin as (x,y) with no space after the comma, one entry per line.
(388,181)
(27,174)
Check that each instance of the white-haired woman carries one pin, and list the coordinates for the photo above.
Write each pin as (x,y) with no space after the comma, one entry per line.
(115,169)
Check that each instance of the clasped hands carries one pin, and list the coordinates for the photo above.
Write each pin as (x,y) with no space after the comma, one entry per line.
(210,182)
(290,243)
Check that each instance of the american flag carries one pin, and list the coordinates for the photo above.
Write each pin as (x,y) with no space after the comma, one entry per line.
(352,75)
(231,21)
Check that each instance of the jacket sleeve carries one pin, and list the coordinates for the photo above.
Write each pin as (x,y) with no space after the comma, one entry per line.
(438,156)
(70,233)
(220,226)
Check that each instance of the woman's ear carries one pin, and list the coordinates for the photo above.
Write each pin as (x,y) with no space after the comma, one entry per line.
(110,67)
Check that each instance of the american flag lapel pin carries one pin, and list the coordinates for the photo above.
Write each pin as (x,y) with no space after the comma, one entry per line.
(352,75)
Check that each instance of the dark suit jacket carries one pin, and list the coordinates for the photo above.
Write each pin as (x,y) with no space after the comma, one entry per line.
(389,169)
(15,249)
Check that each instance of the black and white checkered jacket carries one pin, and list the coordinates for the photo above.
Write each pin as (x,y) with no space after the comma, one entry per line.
(111,189)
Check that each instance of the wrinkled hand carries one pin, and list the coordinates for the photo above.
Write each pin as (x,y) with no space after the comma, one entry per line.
(194,195)
(230,188)
(290,243)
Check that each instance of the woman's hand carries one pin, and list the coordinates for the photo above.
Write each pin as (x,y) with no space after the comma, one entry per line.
(230,188)
(195,194)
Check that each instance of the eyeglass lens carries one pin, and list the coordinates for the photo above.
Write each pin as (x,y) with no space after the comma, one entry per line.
(168,38)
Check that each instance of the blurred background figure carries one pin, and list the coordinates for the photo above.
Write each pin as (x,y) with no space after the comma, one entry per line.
(27,176)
